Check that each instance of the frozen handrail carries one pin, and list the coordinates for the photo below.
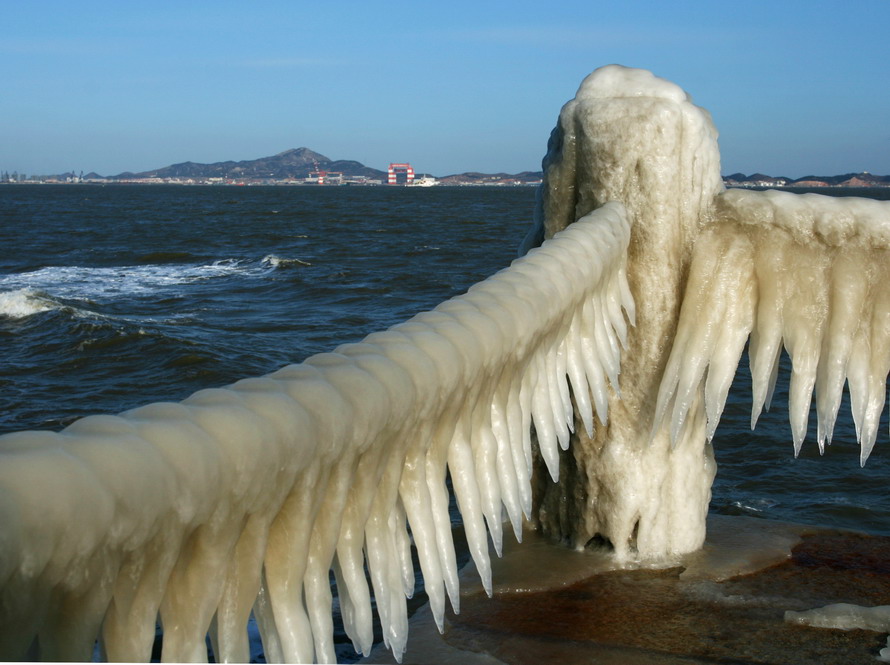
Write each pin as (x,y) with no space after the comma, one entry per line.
(243,498)
(803,272)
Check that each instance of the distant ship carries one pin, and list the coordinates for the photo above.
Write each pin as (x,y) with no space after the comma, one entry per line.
(425,181)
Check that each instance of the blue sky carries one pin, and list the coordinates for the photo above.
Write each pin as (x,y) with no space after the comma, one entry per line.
(794,87)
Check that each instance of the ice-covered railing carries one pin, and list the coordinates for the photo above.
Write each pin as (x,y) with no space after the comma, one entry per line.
(803,272)
(243,499)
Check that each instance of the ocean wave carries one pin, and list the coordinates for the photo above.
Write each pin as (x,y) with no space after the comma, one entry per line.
(21,303)
(278,262)
(108,283)
(41,289)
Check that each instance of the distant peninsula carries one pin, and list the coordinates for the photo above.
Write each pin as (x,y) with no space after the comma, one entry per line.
(302,166)
(298,166)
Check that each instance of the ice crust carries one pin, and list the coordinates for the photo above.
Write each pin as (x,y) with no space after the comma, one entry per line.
(845,616)
(243,498)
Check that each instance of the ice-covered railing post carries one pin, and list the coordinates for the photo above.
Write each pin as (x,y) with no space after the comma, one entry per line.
(707,269)
(631,137)
(243,499)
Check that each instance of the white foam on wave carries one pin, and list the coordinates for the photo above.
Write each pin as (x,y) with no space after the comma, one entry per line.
(24,302)
(279,262)
(100,283)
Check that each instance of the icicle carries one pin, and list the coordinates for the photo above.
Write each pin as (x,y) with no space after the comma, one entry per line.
(322,545)
(352,586)
(346,603)
(878,367)
(352,610)
(606,343)
(560,373)
(627,299)
(265,621)
(285,564)
(578,377)
(508,476)
(398,527)
(728,349)
(555,394)
(766,339)
(846,302)
(417,502)
(401,569)
(485,460)
(593,367)
(804,319)
(463,477)
(517,432)
(859,380)
(526,397)
(737,289)
(613,302)
(241,588)
(763,359)
(435,470)
(803,377)
(542,414)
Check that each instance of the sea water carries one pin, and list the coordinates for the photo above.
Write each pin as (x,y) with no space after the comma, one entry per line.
(116,296)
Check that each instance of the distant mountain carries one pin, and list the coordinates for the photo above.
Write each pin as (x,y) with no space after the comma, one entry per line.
(476,178)
(298,163)
(295,163)
(863,179)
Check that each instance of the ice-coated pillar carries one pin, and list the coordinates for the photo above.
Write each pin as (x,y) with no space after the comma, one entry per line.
(629,136)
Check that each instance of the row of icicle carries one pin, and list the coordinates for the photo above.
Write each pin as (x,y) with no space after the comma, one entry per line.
(804,273)
(243,499)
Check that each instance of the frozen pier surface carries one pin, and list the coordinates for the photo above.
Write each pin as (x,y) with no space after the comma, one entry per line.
(729,602)
(615,341)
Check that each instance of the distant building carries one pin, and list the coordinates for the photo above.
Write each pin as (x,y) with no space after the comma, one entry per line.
(400,174)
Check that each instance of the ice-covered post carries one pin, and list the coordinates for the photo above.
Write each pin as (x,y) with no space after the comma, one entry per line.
(629,136)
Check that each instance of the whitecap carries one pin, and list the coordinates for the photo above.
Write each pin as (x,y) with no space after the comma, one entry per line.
(102,284)
(24,302)
(98,283)
(278,262)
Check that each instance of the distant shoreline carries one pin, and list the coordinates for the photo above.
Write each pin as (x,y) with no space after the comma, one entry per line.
(810,186)
(267,183)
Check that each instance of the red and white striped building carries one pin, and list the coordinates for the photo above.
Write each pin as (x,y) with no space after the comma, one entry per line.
(396,169)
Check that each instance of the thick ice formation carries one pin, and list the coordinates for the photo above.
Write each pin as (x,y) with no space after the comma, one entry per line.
(631,137)
(706,268)
(244,498)
(807,273)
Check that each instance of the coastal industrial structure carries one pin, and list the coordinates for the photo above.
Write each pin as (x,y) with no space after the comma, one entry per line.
(400,174)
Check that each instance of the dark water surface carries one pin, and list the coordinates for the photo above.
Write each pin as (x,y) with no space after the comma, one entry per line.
(112,297)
